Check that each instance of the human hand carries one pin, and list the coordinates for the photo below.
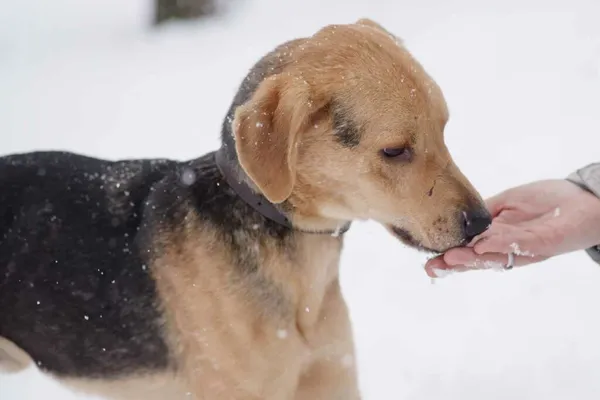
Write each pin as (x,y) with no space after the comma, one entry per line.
(535,221)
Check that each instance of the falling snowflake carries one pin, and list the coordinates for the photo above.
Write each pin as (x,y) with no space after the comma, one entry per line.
(188,177)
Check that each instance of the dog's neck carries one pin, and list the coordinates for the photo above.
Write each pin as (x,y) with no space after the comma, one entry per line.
(313,292)
(237,179)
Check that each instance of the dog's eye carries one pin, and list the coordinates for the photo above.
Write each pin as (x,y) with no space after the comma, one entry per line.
(398,153)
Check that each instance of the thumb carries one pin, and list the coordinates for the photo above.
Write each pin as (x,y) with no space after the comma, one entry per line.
(497,203)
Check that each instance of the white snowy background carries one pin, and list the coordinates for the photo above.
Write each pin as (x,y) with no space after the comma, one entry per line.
(522,80)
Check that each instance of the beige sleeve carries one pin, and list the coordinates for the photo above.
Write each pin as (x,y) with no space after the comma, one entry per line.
(588,178)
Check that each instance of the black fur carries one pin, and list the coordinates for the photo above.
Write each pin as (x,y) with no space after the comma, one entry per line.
(268,65)
(346,131)
(79,236)
(78,239)
(241,228)
(75,290)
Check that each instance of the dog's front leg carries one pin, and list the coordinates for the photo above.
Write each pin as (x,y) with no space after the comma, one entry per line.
(12,357)
(331,373)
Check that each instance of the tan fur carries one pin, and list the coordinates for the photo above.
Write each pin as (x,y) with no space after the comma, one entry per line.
(12,358)
(283,332)
(394,101)
(234,344)
(279,105)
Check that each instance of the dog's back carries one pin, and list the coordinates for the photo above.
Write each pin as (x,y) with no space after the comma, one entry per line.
(68,254)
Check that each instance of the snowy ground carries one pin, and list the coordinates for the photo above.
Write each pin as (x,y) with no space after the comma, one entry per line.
(522,79)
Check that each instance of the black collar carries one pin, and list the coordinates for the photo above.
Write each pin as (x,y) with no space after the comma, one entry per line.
(256,200)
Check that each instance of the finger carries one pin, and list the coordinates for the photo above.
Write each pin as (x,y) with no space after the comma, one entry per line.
(498,230)
(500,215)
(461,261)
(460,257)
(465,259)
(509,216)
(436,267)
(497,227)
(509,239)
(496,203)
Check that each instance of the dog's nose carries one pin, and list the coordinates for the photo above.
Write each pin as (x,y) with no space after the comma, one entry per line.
(475,222)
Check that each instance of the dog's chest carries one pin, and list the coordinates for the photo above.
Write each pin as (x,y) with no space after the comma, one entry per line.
(258,328)
(317,272)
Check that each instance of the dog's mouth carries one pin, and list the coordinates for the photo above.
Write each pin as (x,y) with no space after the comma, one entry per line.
(405,237)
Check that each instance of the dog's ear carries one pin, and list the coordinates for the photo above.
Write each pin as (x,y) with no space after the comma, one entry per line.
(267,130)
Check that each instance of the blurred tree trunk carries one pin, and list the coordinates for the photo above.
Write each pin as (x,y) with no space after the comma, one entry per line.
(165,10)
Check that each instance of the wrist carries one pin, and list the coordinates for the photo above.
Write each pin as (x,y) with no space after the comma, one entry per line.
(594,253)
(588,178)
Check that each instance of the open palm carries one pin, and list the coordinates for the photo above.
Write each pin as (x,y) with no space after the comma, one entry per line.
(534,221)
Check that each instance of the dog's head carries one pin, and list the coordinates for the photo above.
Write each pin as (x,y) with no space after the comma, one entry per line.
(346,125)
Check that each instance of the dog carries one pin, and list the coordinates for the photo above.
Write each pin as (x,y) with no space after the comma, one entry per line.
(217,278)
